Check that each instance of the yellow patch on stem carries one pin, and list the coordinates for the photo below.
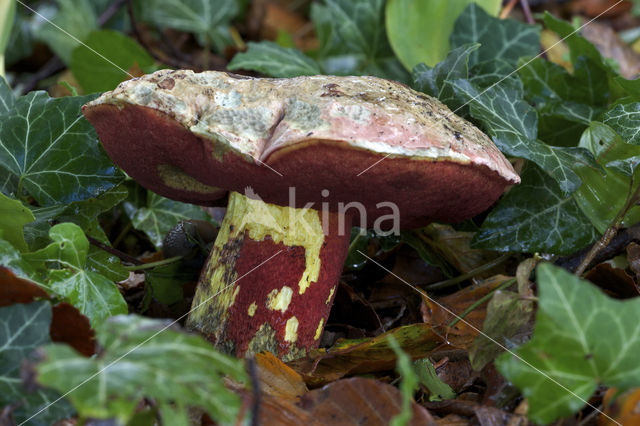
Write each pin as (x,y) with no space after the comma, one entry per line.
(330,295)
(287,225)
(252,309)
(291,330)
(319,329)
(278,300)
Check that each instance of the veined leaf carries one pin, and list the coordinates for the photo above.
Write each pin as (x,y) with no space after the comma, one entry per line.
(6,97)
(93,294)
(141,359)
(561,367)
(160,215)
(51,152)
(273,60)
(13,216)
(625,120)
(535,216)
(437,81)
(505,39)
(24,328)
(513,124)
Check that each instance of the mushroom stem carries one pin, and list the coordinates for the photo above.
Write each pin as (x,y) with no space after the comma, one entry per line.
(270,279)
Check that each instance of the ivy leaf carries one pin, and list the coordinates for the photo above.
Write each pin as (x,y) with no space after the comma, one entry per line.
(24,328)
(208,19)
(93,294)
(513,124)
(505,39)
(273,60)
(94,73)
(578,45)
(13,216)
(76,17)
(160,215)
(603,194)
(568,346)
(6,97)
(625,120)
(51,152)
(436,81)
(141,360)
(535,216)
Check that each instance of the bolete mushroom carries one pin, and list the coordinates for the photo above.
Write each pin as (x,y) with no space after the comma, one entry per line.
(306,152)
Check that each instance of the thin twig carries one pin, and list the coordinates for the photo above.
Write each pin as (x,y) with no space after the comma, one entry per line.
(507,9)
(53,66)
(120,255)
(475,271)
(527,11)
(110,11)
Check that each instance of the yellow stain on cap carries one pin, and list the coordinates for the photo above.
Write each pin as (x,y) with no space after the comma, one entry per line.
(252,309)
(278,300)
(291,330)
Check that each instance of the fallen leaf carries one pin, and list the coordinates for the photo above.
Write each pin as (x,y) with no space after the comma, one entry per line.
(621,408)
(278,379)
(69,326)
(17,290)
(611,45)
(365,355)
(613,281)
(358,401)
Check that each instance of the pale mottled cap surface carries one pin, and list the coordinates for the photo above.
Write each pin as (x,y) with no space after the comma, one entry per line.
(192,136)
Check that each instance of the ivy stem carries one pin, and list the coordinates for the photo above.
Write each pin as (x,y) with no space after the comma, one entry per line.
(611,231)
(153,264)
(119,254)
(480,301)
(475,271)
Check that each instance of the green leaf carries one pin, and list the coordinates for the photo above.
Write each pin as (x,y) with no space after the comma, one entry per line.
(13,216)
(408,384)
(208,19)
(603,194)
(69,25)
(353,39)
(97,74)
(513,124)
(7,13)
(419,31)
(436,81)
(141,359)
(578,45)
(93,294)
(24,328)
(275,61)
(504,39)
(625,120)
(535,216)
(506,314)
(160,215)
(6,97)
(428,377)
(51,152)
(569,356)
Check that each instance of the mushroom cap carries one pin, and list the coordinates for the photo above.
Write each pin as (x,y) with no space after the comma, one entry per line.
(193,136)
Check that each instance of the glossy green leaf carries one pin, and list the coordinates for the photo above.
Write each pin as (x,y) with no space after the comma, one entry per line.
(23,328)
(93,294)
(419,31)
(70,23)
(438,390)
(437,81)
(504,39)
(582,339)
(506,314)
(13,216)
(160,215)
(51,152)
(6,97)
(104,71)
(536,216)
(208,19)
(353,39)
(513,124)
(141,358)
(604,193)
(275,61)
(625,120)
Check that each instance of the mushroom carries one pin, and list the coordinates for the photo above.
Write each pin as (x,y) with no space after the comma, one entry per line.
(304,159)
